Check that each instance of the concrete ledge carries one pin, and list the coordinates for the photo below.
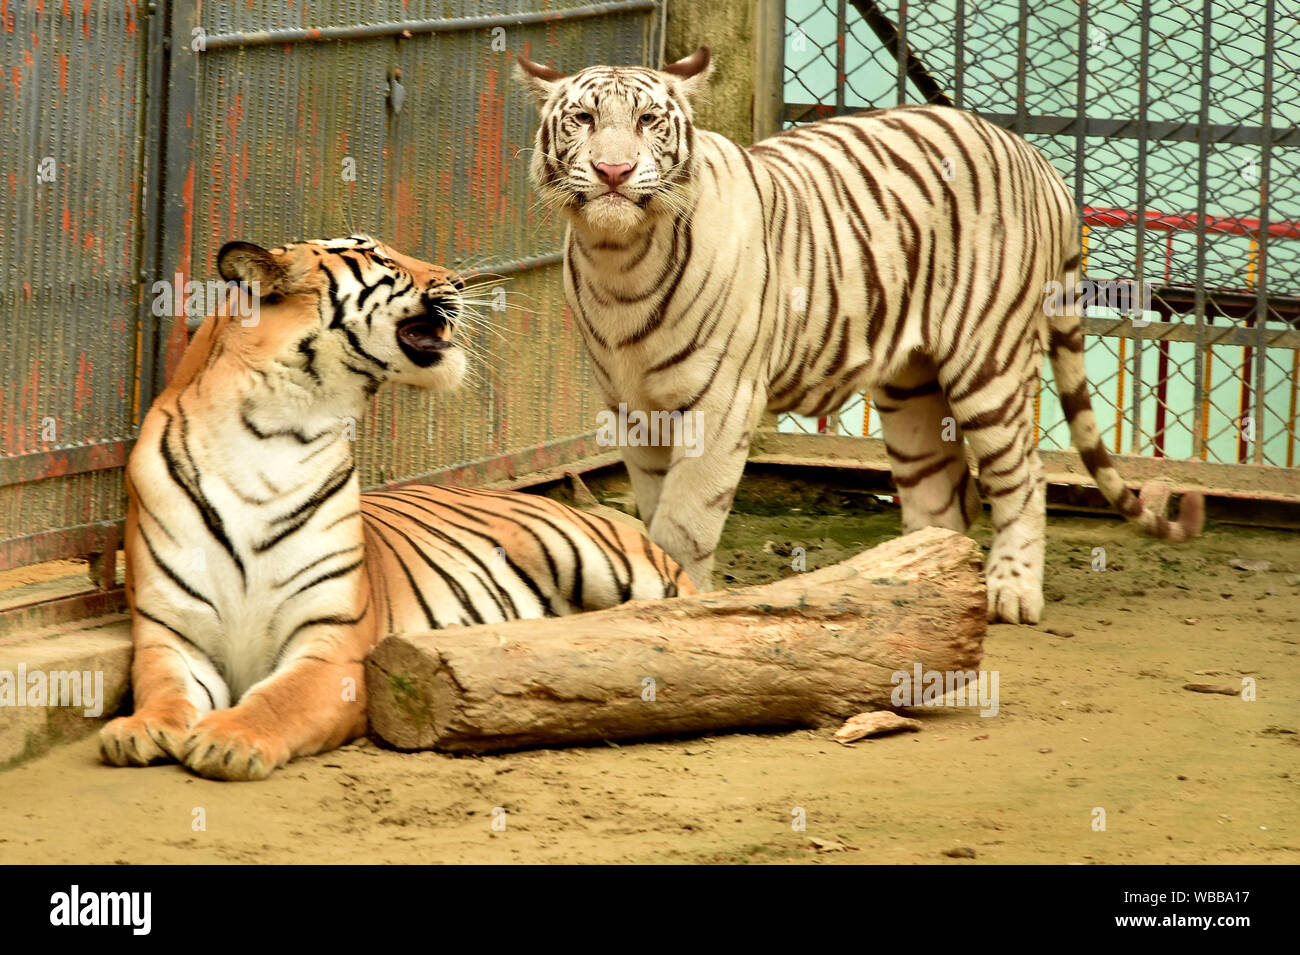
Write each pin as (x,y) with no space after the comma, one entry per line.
(56,668)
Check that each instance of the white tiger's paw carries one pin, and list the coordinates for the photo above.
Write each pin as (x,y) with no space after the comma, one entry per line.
(224,745)
(152,735)
(1015,595)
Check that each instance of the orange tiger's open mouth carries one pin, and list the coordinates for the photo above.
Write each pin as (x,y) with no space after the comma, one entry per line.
(423,338)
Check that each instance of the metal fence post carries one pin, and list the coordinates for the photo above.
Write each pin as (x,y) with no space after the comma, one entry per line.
(769,67)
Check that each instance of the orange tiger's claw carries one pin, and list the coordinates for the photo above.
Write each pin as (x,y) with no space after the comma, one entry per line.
(151,735)
(223,745)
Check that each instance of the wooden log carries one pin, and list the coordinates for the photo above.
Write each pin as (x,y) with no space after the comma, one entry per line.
(809,650)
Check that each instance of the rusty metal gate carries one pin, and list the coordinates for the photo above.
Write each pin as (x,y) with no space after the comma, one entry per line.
(139,136)
(1176,125)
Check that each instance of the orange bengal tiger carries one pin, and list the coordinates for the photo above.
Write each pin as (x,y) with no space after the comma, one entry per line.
(259,575)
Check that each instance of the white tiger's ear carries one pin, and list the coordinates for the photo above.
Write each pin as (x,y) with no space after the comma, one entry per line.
(540,80)
(692,72)
(248,263)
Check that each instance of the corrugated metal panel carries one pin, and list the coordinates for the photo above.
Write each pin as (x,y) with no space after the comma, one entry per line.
(267,136)
(69,190)
(70,187)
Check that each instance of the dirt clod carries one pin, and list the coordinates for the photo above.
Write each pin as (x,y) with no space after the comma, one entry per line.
(1251,565)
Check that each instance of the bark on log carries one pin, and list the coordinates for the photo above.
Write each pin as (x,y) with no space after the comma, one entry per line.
(809,650)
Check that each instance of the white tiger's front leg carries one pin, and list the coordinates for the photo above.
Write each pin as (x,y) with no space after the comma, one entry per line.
(701,482)
(647,467)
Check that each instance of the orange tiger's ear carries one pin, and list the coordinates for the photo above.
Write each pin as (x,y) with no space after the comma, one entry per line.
(248,263)
(693,71)
(540,80)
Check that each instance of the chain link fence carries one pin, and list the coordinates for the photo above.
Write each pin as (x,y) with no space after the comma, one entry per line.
(1175,123)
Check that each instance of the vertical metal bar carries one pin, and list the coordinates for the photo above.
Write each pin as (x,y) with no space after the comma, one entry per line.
(1022,65)
(1200,415)
(1261,284)
(1291,416)
(658,26)
(103,565)
(1080,103)
(176,187)
(1119,395)
(1162,399)
(901,61)
(1247,357)
(769,58)
(173,190)
(959,61)
(841,31)
(147,247)
(1136,442)
(1162,364)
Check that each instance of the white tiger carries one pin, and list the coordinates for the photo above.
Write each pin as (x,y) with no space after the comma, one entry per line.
(905,251)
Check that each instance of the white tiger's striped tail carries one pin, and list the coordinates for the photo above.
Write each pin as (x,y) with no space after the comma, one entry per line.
(1065,351)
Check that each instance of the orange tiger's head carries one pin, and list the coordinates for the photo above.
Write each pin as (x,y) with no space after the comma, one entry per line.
(352,309)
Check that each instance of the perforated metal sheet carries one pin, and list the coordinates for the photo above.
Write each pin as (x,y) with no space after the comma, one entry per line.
(268,136)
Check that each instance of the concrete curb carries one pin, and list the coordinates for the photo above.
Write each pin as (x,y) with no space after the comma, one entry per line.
(55,667)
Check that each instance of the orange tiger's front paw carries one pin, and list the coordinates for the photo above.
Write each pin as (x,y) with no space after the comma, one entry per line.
(152,735)
(225,745)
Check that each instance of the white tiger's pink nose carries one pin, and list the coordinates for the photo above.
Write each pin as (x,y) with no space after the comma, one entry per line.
(612,174)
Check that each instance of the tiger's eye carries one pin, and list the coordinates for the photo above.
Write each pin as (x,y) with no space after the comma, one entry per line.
(646,119)
(584,117)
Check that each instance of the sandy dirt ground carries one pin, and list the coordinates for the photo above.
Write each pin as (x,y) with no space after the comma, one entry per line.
(1093,718)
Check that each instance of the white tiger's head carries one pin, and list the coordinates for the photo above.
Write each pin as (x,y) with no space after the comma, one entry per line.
(614,144)
(350,313)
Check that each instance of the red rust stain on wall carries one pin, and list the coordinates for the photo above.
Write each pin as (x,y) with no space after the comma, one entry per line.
(177,339)
(406,217)
(83,389)
(234,117)
(63,72)
(442,206)
(487,173)
(33,390)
